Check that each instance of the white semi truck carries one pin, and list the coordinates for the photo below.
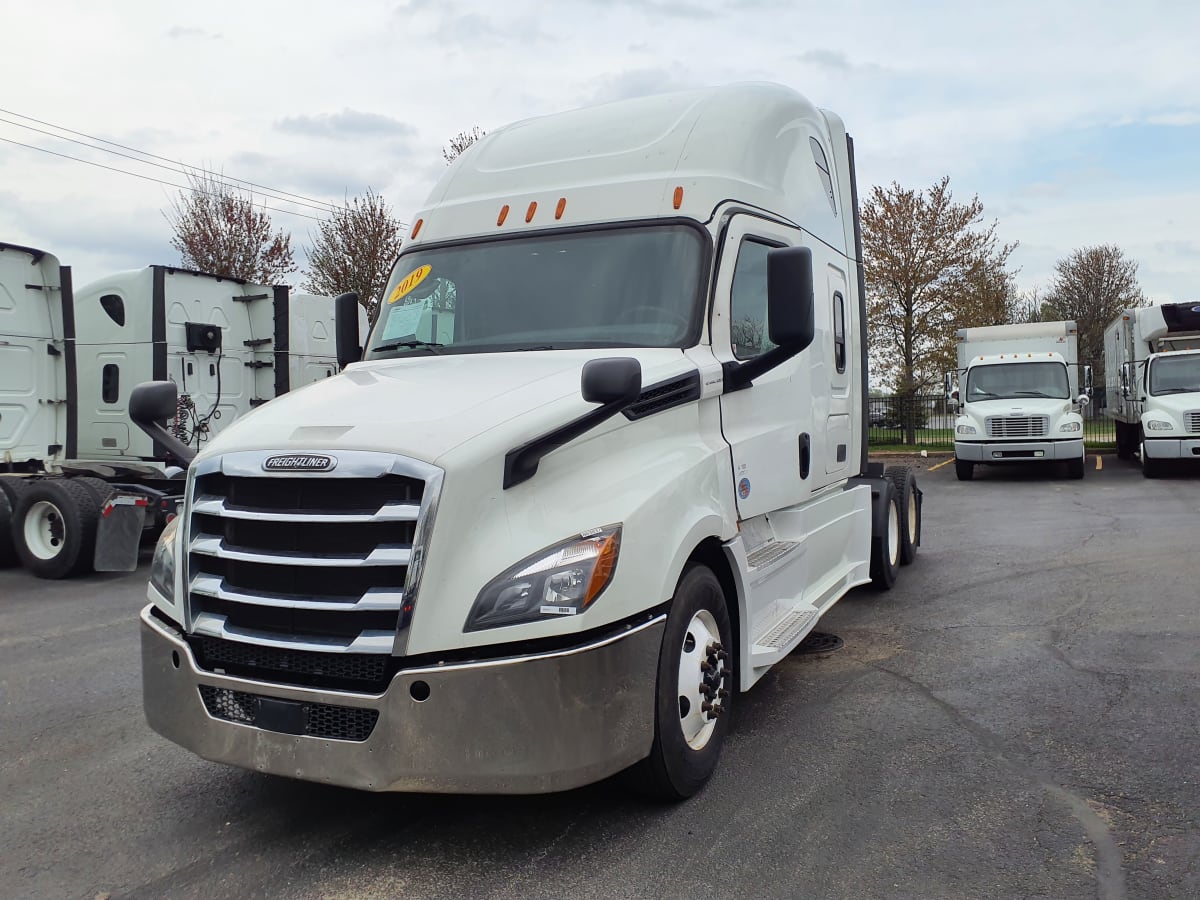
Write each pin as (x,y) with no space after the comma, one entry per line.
(69,359)
(1152,381)
(1018,387)
(555,537)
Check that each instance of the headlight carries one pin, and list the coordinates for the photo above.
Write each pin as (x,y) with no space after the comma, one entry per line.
(965,429)
(162,570)
(1069,426)
(562,580)
(1158,425)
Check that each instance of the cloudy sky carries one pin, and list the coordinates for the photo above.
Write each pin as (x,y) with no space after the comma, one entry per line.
(1076,123)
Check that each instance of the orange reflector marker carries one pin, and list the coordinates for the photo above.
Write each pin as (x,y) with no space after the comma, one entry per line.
(606,561)
(529,212)
(679,196)
(503,215)
(561,208)
(417,228)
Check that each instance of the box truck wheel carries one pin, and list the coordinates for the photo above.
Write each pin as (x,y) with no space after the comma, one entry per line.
(885,542)
(1151,468)
(8,555)
(1076,467)
(964,469)
(905,484)
(695,688)
(1125,441)
(54,528)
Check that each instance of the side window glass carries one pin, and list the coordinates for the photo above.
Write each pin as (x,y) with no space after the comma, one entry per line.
(823,171)
(839,333)
(115,307)
(748,302)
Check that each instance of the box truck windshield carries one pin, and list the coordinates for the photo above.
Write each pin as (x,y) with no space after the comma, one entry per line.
(1174,375)
(611,287)
(1003,381)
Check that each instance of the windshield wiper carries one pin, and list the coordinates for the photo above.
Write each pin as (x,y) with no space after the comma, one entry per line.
(431,346)
(1030,394)
(1176,390)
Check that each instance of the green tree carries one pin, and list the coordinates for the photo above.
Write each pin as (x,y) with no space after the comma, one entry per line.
(932,267)
(219,230)
(1092,287)
(353,250)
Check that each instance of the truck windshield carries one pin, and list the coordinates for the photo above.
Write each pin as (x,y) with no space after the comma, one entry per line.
(1175,374)
(1010,380)
(638,286)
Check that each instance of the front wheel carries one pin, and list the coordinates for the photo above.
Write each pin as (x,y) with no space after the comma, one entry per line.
(964,469)
(1076,467)
(695,689)
(1151,468)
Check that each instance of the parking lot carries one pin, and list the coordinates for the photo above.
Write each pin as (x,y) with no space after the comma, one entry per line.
(1017,718)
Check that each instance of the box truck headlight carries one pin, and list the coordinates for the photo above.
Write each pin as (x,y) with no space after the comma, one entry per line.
(965,429)
(1069,426)
(562,580)
(162,569)
(1158,425)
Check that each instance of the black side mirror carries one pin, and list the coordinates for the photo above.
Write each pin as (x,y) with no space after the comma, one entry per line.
(617,378)
(791,315)
(345,320)
(152,403)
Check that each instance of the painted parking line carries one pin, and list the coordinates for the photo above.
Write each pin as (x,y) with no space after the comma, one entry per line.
(1099,462)
(939,465)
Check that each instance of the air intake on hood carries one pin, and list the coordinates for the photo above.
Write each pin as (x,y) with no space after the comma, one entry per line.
(665,395)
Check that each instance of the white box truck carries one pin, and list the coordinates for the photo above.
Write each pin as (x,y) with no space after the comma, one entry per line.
(555,536)
(1018,389)
(1152,383)
(69,359)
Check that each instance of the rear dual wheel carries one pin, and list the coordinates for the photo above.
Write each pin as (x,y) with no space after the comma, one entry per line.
(54,527)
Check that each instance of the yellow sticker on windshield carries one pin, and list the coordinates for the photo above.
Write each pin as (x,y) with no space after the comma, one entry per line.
(410,281)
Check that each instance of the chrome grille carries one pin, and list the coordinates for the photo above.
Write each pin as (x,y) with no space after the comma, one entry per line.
(287,562)
(1017,426)
(1191,421)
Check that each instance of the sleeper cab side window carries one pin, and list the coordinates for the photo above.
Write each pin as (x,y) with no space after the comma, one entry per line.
(748,301)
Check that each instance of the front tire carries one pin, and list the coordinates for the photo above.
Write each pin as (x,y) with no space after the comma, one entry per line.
(964,469)
(1151,468)
(1076,467)
(54,528)
(695,689)
(8,554)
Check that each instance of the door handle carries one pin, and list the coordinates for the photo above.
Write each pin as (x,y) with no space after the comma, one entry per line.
(805,455)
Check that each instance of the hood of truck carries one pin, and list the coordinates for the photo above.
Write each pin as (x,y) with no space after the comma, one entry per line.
(425,406)
(1175,406)
(1056,410)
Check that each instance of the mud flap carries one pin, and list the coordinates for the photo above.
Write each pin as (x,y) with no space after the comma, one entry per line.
(119,532)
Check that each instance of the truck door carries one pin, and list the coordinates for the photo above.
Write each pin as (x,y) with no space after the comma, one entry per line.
(769,425)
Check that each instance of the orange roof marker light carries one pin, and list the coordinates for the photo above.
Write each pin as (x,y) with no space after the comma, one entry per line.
(561,208)
(417,228)
(503,215)
(529,212)
(679,196)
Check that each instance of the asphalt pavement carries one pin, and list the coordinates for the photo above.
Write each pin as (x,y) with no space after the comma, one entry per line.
(1017,718)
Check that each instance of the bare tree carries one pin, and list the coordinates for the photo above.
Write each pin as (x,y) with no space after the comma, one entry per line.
(461,142)
(931,267)
(1093,286)
(219,230)
(354,249)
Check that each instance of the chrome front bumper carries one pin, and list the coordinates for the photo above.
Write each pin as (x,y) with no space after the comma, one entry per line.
(525,724)
(1021,451)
